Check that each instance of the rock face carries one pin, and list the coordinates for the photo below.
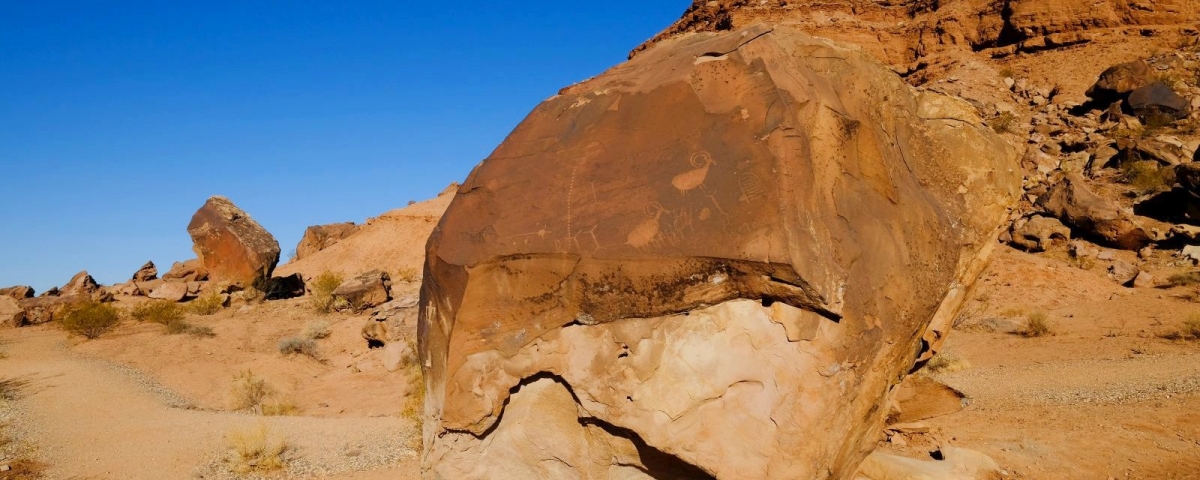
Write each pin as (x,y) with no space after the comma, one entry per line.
(230,245)
(716,259)
(320,237)
(1119,80)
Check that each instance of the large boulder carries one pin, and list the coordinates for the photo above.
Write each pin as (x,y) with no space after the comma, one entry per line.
(47,309)
(1119,80)
(18,292)
(716,259)
(1158,101)
(320,237)
(1088,213)
(232,247)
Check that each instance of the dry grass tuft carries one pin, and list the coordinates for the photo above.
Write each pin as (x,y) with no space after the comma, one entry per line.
(23,469)
(249,391)
(1183,279)
(407,275)
(946,362)
(1146,176)
(322,289)
(158,311)
(1190,330)
(280,408)
(207,304)
(316,330)
(1036,325)
(255,450)
(299,346)
(90,319)
(414,404)
(1004,123)
(178,327)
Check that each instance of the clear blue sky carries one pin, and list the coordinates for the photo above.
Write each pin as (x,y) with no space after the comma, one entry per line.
(118,119)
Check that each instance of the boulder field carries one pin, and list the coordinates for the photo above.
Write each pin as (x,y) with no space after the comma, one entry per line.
(718,259)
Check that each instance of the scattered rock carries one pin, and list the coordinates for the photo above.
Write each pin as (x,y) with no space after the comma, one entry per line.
(1157,100)
(171,291)
(232,246)
(1001,325)
(147,273)
(279,288)
(320,237)
(368,290)
(1072,202)
(18,292)
(1191,252)
(1082,249)
(376,333)
(395,355)
(187,271)
(1123,273)
(1038,233)
(1143,280)
(46,309)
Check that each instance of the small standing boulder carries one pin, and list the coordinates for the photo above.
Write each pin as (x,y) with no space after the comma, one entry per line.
(232,246)
(172,291)
(1123,273)
(367,290)
(1038,233)
(187,271)
(146,273)
(320,237)
(80,284)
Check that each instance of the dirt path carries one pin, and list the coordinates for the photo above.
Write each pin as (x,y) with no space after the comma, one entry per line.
(90,419)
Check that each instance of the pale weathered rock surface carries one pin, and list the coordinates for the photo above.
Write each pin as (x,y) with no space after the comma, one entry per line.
(955,464)
(320,237)
(1039,233)
(80,284)
(231,246)
(714,260)
(17,292)
(186,271)
(11,314)
(368,290)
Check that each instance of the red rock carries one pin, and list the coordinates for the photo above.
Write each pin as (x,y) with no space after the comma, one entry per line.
(232,246)
(320,237)
(749,180)
(188,271)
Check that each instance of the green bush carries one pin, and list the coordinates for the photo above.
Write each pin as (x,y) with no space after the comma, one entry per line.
(90,319)
(208,304)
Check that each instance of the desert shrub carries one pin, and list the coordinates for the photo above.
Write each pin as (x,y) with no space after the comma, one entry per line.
(157,311)
(1004,123)
(1036,325)
(1146,176)
(207,304)
(316,330)
(256,450)
(178,327)
(1189,330)
(249,391)
(1007,72)
(407,275)
(946,362)
(299,346)
(1183,279)
(280,408)
(90,319)
(322,289)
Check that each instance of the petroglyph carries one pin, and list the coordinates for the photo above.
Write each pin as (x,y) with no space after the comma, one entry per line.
(645,232)
(694,178)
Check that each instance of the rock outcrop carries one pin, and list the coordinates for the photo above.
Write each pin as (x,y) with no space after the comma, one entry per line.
(1077,206)
(232,247)
(368,290)
(11,313)
(17,292)
(717,259)
(186,271)
(80,284)
(320,237)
